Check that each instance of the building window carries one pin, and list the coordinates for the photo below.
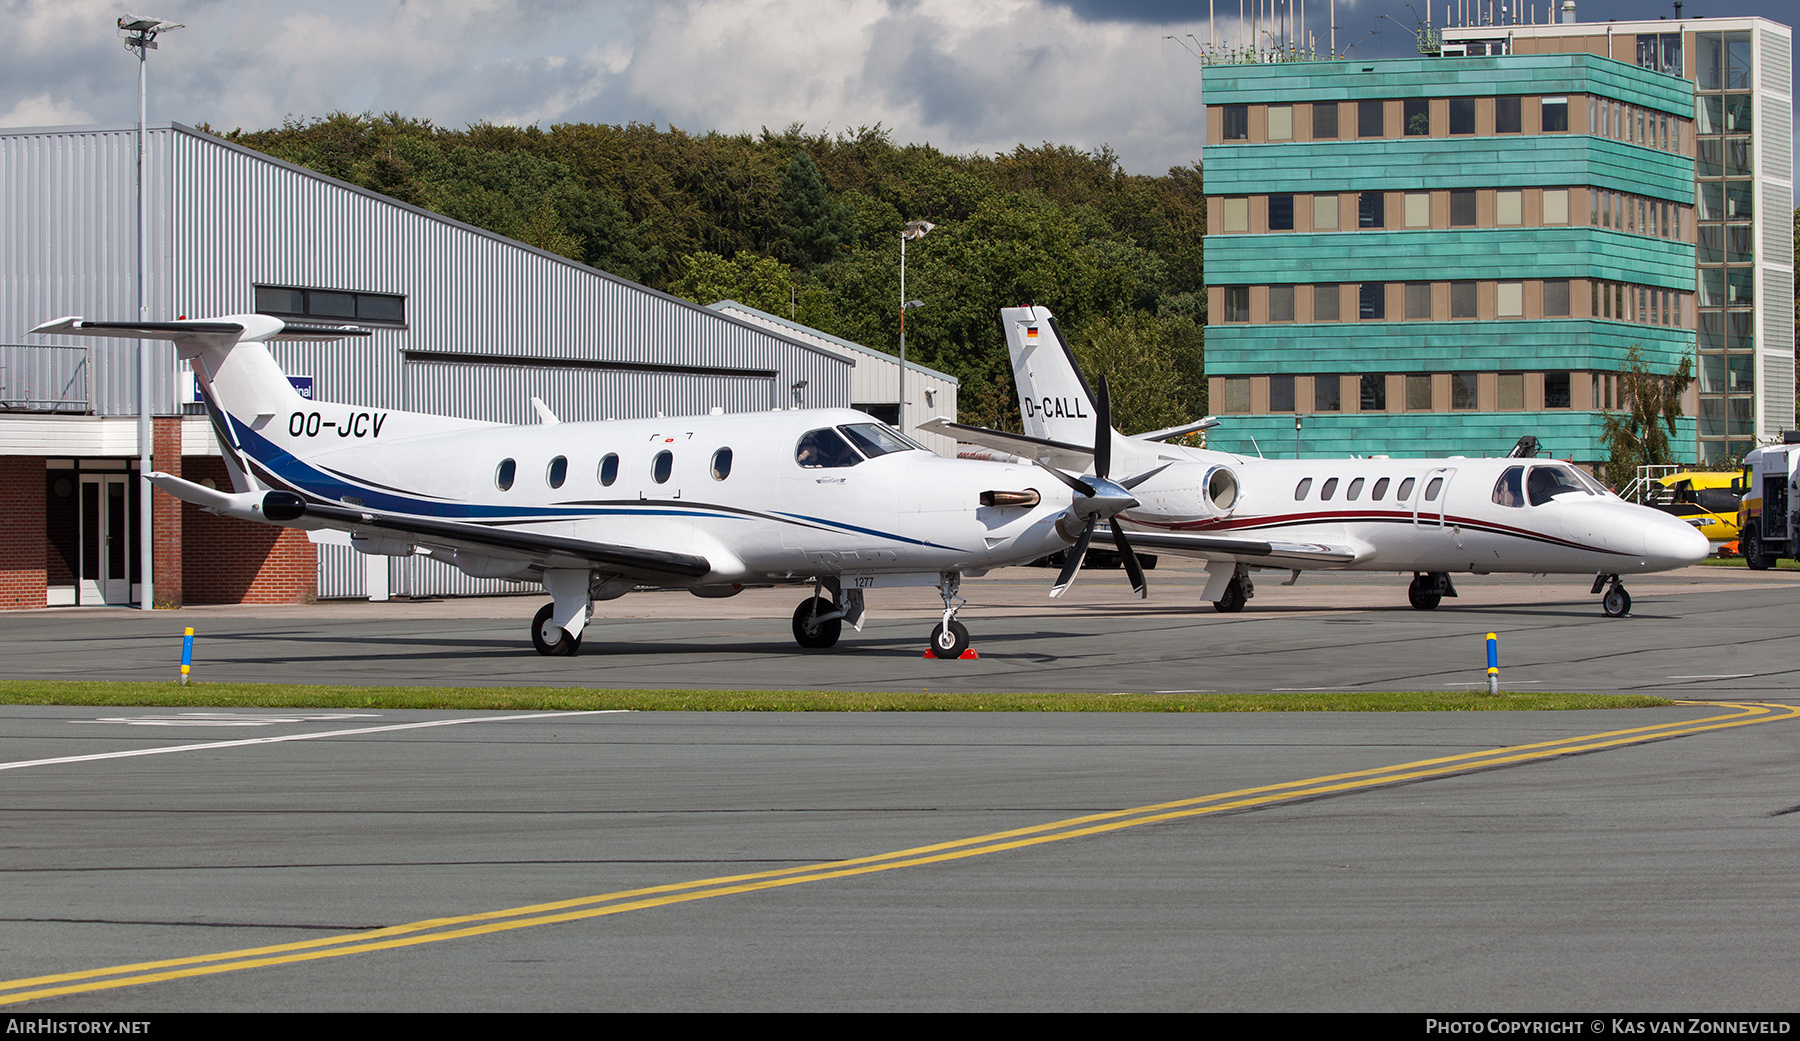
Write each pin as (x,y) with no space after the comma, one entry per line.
(1371,210)
(1418,209)
(1417,117)
(1418,393)
(1281,122)
(1509,299)
(1236,215)
(1462,208)
(1327,394)
(1281,213)
(1236,122)
(1463,300)
(1507,115)
(1418,301)
(1374,394)
(1556,205)
(1462,391)
(1369,119)
(1325,212)
(1660,52)
(1325,303)
(1556,298)
(1462,116)
(1509,208)
(1281,303)
(1556,116)
(1371,301)
(1722,61)
(335,305)
(1237,393)
(1512,392)
(1237,303)
(1556,390)
(1281,393)
(1325,121)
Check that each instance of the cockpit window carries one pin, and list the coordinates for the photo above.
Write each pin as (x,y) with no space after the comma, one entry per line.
(1547,482)
(1509,490)
(879,439)
(824,448)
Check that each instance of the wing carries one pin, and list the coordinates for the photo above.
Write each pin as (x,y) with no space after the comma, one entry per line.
(535,548)
(1056,453)
(1266,552)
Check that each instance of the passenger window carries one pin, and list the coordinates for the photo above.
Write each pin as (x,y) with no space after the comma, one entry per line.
(824,449)
(1301,490)
(609,470)
(1354,490)
(1405,491)
(1380,490)
(503,477)
(1432,489)
(721,464)
(558,472)
(1509,490)
(661,467)
(1328,490)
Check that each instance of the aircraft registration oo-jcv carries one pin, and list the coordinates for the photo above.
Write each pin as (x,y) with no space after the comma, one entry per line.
(830,498)
(1432,517)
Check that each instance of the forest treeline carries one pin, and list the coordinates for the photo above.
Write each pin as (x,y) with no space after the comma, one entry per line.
(807,225)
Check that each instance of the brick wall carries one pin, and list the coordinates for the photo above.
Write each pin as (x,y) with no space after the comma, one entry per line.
(229,561)
(166,513)
(22,533)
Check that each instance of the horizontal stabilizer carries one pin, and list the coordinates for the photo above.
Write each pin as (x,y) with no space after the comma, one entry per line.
(1178,431)
(220,331)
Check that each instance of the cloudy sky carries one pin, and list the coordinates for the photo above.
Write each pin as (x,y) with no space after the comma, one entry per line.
(964,75)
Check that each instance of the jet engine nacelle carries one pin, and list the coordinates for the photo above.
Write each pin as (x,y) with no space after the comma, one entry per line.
(1190,492)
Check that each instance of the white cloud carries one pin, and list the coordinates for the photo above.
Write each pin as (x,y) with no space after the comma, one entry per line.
(42,110)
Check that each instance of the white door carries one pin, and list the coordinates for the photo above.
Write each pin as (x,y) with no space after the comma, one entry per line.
(105,539)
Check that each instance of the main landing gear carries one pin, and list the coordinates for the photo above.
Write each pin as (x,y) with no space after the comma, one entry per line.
(556,631)
(1428,589)
(818,622)
(1237,592)
(1617,602)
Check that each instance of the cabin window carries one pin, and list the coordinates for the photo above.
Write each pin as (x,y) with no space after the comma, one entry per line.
(1405,491)
(558,472)
(609,470)
(824,449)
(1432,489)
(1380,491)
(1302,488)
(877,439)
(721,464)
(504,474)
(1329,489)
(1547,482)
(1509,489)
(1355,490)
(662,466)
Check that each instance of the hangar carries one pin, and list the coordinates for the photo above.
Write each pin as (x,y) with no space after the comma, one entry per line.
(465,322)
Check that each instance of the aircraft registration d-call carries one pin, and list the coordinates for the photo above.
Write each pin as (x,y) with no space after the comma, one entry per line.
(830,498)
(1432,517)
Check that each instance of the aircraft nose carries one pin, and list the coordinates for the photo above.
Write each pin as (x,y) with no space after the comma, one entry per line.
(1673,542)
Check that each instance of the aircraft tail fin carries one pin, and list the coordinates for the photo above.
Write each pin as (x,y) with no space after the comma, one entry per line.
(1054,398)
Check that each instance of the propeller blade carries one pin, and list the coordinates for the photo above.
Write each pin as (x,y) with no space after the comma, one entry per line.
(1132,567)
(1077,554)
(1137,479)
(1103,432)
(1079,487)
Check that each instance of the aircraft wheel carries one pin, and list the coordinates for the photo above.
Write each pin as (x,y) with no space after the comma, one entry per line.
(1751,543)
(552,640)
(951,642)
(1421,599)
(810,633)
(1617,602)
(1234,599)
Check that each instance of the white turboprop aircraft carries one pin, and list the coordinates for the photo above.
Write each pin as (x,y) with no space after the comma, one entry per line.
(1428,516)
(827,497)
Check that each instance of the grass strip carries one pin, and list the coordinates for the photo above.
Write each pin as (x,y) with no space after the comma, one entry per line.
(296,696)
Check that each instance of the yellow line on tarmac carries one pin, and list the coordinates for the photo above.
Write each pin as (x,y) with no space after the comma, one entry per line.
(434,930)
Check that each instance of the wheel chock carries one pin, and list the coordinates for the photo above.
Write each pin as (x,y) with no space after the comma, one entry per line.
(968,655)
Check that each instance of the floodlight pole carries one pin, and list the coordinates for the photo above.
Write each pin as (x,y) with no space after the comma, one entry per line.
(140,36)
(915,229)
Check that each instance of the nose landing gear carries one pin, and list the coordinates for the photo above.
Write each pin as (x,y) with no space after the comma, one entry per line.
(1617,602)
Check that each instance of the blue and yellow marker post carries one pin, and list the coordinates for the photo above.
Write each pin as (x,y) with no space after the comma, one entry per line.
(187,653)
(1493,663)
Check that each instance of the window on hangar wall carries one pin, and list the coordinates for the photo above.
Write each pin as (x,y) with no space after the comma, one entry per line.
(339,305)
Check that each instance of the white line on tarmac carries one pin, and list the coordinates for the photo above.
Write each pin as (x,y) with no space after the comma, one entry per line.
(292,737)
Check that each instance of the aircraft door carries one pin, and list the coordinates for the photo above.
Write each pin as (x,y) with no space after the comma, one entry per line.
(1430,496)
(105,541)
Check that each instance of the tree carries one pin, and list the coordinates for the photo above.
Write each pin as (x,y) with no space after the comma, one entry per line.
(1638,435)
(1152,368)
(818,226)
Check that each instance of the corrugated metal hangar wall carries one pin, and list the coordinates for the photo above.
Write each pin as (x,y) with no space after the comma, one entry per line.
(484,323)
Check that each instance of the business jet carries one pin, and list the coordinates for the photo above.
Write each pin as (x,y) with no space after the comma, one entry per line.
(1432,517)
(829,498)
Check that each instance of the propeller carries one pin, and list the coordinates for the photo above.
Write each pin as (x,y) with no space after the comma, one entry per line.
(1098,498)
